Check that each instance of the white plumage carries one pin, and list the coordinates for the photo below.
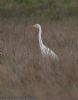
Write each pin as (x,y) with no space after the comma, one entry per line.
(45,50)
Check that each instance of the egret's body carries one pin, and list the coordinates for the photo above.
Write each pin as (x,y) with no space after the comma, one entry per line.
(45,50)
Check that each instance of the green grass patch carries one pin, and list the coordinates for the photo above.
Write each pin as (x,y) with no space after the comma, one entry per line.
(41,8)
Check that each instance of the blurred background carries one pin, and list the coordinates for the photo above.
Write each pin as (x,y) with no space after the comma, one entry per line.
(43,9)
(23,70)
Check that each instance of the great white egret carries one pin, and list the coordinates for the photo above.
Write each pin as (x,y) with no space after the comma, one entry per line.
(44,50)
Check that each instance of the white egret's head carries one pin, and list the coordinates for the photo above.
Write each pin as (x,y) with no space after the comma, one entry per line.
(36,26)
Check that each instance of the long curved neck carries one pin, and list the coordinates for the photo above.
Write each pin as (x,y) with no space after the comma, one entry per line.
(40,39)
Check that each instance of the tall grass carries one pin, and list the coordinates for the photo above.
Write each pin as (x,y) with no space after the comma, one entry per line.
(24,71)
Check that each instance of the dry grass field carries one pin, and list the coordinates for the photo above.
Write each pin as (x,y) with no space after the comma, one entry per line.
(25,72)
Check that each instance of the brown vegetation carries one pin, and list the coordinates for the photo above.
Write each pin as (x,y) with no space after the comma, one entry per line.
(23,70)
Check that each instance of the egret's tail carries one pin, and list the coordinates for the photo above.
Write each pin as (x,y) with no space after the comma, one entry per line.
(54,56)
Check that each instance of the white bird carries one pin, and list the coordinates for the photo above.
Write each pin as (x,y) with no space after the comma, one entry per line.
(44,50)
